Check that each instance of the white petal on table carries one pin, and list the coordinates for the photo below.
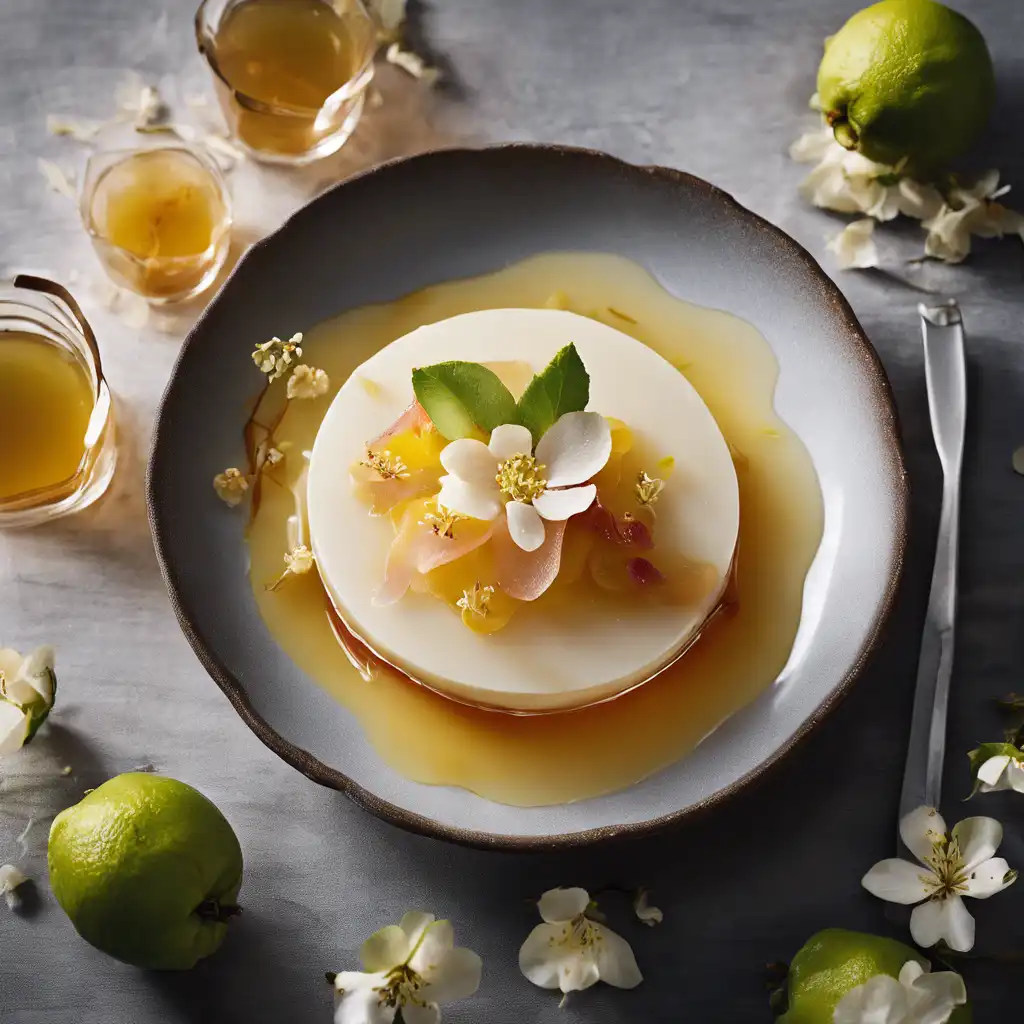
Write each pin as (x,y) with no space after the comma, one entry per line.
(1015,776)
(936,995)
(990,877)
(470,460)
(880,1000)
(979,839)
(510,439)
(550,960)
(558,905)
(359,1001)
(920,828)
(615,960)
(560,505)
(945,919)
(991,772)
(898,881)
(427,1014)
(525,525)
(575,448)
(13,728)
(469,499)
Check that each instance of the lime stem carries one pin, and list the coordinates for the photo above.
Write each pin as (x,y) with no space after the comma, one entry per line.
(213,910)
(844,132)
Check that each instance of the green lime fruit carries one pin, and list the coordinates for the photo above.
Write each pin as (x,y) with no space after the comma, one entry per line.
(834,961)
(148,870)
(907,83)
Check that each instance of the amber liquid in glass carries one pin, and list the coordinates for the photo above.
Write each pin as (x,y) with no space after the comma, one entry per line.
(289,54)
(555,758)
(46,399)
(164,208)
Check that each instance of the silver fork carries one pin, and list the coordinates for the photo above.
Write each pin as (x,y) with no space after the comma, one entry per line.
(945,374)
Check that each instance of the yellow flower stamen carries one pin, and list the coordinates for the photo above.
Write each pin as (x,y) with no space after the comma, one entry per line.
(442,522)
(477,600)
(519,478)
(389,467)
(648,489)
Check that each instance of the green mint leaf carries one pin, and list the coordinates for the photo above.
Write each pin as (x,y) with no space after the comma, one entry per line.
(562,386)
(462,399)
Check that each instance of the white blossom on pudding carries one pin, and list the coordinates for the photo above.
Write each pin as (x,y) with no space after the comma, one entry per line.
(11,879)
(1001,772)
(854,247)
(967,212)
(485,480)
(308,382)
(570,951)
(955,864)
(916,997)
(412,967)
(27,689)
(231,486)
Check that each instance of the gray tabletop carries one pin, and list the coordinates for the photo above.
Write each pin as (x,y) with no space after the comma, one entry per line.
(719,88)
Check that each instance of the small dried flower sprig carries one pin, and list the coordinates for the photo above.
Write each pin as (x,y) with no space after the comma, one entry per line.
(476,601)
(297,562)
(275,356)
(386,465)
(307,382)
(231,486)
(648,489)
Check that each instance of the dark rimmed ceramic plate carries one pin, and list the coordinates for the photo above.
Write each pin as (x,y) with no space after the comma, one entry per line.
(461,213)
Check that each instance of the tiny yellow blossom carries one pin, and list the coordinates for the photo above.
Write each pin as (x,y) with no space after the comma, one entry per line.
(308,382)
(476,601)
(648,488)
(231,486)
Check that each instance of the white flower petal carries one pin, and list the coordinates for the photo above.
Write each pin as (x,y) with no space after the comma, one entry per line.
(990,877)
(427,1014)
(469,499)
(525,525)
(34,680)
(541,955)
(560,505)
(559,905)
(1015,776)
(470,461)
(384,949)
(574,448)
(919,829)
(13,728)
(933,997)
(910,972)
(880,1000)
(946,919)
(358,1002)
(11,877)
(615,960)
(979,839)
(455,975)
(854,247)
(645,912)
(898,881)
(510,439)
(991,772)
(577,972)
(918,200)
(414,923)
(812,146)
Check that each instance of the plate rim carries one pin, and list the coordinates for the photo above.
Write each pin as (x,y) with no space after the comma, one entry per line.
(884,405)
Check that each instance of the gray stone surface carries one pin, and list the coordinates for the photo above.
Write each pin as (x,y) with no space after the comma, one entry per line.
(717,87)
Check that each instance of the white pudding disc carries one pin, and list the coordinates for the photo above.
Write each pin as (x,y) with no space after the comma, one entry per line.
(538,662)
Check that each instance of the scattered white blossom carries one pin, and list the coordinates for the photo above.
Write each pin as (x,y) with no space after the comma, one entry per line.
(412,967)
(956,864)
(275,356)
(297,562)
(571,951)
(485,481)
(970,211)
(274,456)
(308,382)
(916,997)
(854,247)
(11,879)
(390,15)
(61,181)
(231,486)
(412,63)
(647,914)
(28,686)
(72,127)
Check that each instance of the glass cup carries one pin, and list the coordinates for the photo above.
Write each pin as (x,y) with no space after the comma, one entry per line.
(132,178)
(275,93)
(44,310)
